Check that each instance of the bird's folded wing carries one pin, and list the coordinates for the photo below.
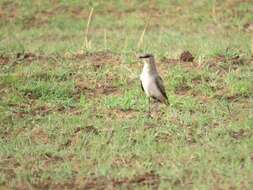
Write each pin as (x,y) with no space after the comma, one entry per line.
(159,84)
(141,86)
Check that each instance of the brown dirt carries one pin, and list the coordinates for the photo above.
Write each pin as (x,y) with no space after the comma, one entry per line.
(35,21)
(76,137)
(105,89)
(49,159)
(251,157)
(122,162)
(148,179)
(19,109)
(82,87)
(242,133)
(88,129)
(234,60)
(172,62)
(8,11)
(8,165)
(41,110)
(190,136)
(1,13)
(4,60)
(248,27)
(97,59)
(29,56)
(23,110)
(99,89)
(183,90)
(23,185)
(68,110)
(48,184)
(38,135)
(186,56)
(120,113)
(222,64)
(150,126)
(163,137)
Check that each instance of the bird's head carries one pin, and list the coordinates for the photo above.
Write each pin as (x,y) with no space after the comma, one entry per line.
(149,62)
(146,56)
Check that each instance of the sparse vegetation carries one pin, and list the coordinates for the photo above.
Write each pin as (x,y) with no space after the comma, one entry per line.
(72,113)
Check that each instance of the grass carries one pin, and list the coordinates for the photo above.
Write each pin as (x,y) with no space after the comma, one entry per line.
(72,112)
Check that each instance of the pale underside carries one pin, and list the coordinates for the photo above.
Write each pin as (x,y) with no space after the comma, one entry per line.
(153,86)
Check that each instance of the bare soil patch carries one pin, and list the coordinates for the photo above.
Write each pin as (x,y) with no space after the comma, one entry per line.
(185,64)
(29,109)
(88,129)
(183,90)
(8,11)
(38,135)
(224,94)
(186,56)
(150,179)
(237,60)
(248,27)
(122,162)
(242,133)
(100,89)
(75,138)
(223,64)
(148,126)
(106,89)
(220,63)
(121,113)
(29,56)
(37,20)
(4,60)
(97,59)
(163,137)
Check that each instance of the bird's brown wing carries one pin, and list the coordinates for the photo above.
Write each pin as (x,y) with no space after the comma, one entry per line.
(159,84)
(141,86)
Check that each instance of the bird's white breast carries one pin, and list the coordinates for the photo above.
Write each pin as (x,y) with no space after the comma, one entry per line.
(149,85)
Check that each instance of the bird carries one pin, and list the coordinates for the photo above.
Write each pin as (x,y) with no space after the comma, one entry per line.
(151,82)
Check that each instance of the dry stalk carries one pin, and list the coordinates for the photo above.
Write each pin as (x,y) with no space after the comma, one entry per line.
(87,42)
(140,42)
(105,39)
(214,11)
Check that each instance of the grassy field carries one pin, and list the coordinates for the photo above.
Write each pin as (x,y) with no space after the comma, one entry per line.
(72,113)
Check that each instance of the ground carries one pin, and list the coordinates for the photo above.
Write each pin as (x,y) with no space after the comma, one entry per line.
(73,115)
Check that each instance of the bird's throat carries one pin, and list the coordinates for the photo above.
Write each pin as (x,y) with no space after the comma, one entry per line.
(149,68)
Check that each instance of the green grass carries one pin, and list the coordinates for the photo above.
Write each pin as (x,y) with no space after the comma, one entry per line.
(73,116)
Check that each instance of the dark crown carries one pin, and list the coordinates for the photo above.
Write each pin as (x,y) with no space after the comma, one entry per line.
(148,55)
